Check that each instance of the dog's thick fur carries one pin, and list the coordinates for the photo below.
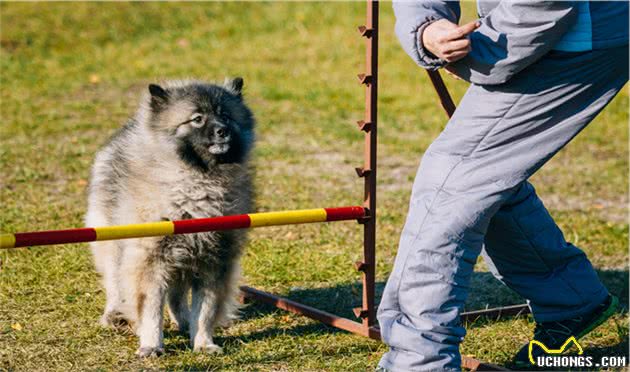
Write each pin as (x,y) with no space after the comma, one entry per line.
(184,155)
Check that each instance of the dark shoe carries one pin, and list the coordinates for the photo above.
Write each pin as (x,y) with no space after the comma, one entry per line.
(554,334)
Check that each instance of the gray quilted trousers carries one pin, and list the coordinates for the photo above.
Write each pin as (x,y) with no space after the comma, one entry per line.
(471,194)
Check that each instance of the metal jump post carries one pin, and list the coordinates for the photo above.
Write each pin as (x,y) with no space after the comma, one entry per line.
(365,215)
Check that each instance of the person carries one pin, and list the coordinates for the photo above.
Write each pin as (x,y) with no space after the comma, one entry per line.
(540,71)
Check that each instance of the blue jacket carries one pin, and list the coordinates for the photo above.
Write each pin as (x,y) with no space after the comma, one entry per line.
(514,33)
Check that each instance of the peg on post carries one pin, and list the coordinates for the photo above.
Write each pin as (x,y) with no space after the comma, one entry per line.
(365,79)
(362,172)
(366,217)
(360,313)
(360,266)
(364,126)
(365,32)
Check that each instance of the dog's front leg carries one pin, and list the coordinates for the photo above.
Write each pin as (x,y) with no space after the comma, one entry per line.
(150,296)
(206,305)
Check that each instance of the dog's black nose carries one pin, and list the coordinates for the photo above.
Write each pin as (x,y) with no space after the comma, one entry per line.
(220,132)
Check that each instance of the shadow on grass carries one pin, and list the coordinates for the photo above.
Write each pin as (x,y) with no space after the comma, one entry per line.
(485,292)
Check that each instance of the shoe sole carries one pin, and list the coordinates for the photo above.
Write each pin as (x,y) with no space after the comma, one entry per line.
(610,311)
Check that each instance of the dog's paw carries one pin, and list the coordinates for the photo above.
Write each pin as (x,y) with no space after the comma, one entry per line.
(113,319)
(208,349)
(104,321)
(149,352)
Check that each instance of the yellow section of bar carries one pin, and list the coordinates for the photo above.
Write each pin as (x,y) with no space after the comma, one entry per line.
(138,230)
(7,240)
(287,217)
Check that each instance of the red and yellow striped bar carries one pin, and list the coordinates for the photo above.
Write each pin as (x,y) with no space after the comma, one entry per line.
(142,230)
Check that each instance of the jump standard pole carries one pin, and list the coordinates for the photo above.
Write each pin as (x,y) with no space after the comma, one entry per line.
(367,267)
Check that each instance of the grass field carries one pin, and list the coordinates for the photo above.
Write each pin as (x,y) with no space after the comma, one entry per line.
(71,73)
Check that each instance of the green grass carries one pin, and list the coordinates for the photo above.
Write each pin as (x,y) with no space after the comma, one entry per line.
(71,73)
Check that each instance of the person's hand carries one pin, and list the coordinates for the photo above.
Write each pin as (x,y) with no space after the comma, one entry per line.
(448,41)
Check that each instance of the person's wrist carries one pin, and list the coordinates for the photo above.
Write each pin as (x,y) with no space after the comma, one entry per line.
(424,52)
(426,44)
(427,40)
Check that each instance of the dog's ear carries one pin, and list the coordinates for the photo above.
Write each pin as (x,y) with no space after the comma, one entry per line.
(159,97)
(234,85)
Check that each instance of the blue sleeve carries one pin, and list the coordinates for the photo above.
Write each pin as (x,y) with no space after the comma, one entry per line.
(511,37)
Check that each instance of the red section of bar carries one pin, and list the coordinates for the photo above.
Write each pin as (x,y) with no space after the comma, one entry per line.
(86,234)
(212,224)
(344,213)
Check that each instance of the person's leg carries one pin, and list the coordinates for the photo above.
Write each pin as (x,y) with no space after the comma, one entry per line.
(525,247)
(498,137)
(526,250)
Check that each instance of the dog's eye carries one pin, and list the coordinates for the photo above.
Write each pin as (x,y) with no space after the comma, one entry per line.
(197,120)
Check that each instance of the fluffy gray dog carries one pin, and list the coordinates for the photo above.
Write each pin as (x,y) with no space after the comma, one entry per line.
(184,155)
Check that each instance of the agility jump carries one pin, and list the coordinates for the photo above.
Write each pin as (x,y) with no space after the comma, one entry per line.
(163,228)
(366,215)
